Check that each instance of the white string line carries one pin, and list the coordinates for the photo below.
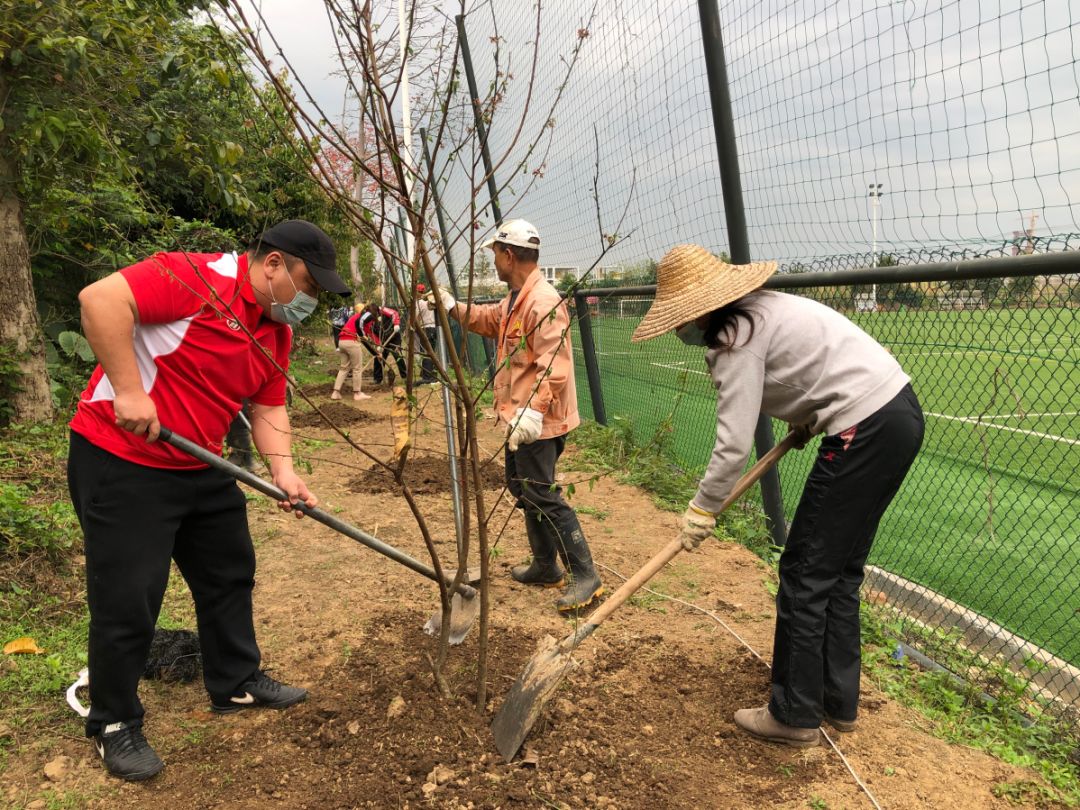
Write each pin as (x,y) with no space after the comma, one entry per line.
(757,655)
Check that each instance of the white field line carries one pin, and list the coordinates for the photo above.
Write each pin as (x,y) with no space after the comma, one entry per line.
(1036,434)
(680,366)
(964,352)
(605,354)
(1032,415)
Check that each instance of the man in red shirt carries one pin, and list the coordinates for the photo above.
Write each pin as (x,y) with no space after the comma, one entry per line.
(182,340)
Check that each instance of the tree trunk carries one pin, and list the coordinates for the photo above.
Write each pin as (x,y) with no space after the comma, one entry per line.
(20,330)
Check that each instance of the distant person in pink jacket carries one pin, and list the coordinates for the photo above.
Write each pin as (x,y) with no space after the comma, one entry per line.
(535,397)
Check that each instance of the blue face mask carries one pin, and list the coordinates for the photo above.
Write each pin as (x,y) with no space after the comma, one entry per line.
(691,334)
(294,312)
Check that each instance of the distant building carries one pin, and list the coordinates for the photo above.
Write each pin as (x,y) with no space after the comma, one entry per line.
(553,274)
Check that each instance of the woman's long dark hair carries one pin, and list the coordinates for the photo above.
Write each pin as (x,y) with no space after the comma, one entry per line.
(723,324)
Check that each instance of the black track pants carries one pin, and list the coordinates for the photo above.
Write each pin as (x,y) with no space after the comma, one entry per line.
(816,650)
(136,519)
(530,477)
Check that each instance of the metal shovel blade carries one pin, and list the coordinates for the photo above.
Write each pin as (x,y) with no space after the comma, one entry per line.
(463,610)
(531,691)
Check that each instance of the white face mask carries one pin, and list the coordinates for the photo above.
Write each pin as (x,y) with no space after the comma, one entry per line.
(691,334)
(294,312)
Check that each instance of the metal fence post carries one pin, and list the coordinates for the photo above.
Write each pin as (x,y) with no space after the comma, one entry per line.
(738,239)
(588,349)
(451,273)
(481,130)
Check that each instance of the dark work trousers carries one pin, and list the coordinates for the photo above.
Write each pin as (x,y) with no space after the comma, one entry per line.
(377,367)
(816,650)
(392,351)
(530,475)
(427,365)
(136,519)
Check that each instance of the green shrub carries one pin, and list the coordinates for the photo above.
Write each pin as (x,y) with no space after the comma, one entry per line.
(27,527)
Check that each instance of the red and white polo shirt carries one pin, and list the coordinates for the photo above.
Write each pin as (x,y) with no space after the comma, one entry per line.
(195,360)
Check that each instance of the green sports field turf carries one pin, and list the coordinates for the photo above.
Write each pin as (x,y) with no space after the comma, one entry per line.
(989,514)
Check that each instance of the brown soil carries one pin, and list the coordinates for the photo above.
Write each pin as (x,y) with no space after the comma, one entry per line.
(643,722)
(338,412)
(425,475)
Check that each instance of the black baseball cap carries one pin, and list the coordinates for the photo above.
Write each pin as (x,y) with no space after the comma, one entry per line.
(309,243)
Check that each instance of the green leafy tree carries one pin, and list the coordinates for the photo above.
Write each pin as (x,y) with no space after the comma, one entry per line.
(70,72)
(126,129)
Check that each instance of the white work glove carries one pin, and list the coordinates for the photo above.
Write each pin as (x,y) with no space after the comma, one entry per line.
(397,328)
(526,429)
(448,300)
(695,526)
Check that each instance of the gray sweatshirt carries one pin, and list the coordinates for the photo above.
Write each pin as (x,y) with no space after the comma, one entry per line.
(805,364)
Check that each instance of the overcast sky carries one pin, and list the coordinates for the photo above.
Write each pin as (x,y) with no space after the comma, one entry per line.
(966,111)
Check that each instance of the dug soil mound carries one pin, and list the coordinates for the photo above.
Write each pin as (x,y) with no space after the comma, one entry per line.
(338,412)
(425,475)
(376,734)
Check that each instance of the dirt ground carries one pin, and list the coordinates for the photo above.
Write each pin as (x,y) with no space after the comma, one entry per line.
(643,722)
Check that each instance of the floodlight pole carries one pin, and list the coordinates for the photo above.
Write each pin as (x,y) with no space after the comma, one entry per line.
(738,238)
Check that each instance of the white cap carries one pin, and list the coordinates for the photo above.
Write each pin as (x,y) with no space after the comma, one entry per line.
(516,232)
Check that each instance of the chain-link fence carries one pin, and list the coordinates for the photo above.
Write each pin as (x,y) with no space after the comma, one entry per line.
(867,136)
(960,117)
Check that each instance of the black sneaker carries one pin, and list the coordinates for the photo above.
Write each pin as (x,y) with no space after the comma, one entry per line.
(261,690)
(126,752)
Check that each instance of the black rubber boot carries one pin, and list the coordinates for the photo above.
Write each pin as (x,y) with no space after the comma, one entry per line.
(583,583)
(544,569)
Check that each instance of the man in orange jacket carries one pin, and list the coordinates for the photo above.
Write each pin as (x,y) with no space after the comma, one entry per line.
(536,398)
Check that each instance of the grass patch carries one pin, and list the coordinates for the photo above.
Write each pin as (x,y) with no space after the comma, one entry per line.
(603,451)
(1013,727)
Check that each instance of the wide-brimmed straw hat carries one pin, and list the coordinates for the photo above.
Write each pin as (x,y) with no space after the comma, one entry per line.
(690,282)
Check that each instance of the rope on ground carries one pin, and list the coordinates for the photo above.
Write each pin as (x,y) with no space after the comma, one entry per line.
(757,655)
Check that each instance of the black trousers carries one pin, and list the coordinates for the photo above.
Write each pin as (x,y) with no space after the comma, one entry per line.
(136,519)
(816,650)
(390,350)
(427,365)
(530,477)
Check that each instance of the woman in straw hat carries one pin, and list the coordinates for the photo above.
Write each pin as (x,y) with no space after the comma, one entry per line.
(797,360)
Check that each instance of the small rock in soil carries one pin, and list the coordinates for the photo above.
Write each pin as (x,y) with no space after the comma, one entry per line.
(440,775)
(58,768)
(396,708)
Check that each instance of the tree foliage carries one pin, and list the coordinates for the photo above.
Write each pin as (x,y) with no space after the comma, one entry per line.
(129,127)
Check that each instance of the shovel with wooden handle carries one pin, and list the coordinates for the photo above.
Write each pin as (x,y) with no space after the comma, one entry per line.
(465,603)
(545,670)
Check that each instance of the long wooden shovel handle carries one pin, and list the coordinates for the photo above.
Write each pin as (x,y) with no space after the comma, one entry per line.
(649,570)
